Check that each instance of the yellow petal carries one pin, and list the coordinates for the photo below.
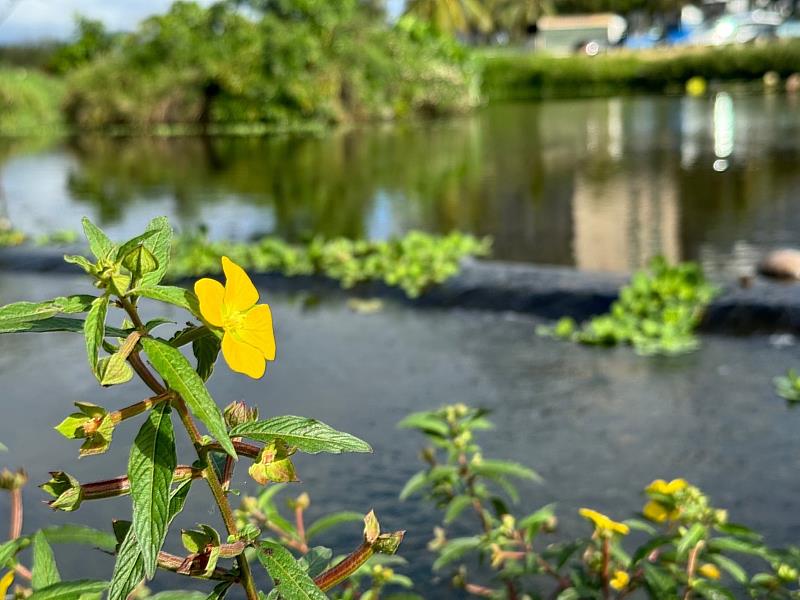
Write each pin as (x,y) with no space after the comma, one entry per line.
(243,358)
(211,294)
(655,512)
(256,330)
(620,580)
(240,293)
(5,583)
(710,571)
(676,485)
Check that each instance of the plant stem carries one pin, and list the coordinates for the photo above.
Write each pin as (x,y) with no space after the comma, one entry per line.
(246,577)
(690,567)
(15,527)
(604,574)
(346,567)
(219,495)
(301,529)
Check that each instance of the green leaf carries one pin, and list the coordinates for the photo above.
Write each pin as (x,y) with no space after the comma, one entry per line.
(455,507)
(206,350)
(182,378)
(712,591)
(455,549)
(417,482)
(661,584)
(55,324)
(114,370)
(305,434)
(328,521)
(150,469)
(9,549)
(176,296)
(129,568)
(160,245)
(20,315)
(45,571)
(69,590)
(690,539)
(504,468)
(140,261)
(291,581)
(733,568)
(94,330)
(316,560)
(427,422)
(99,243)
(182,595)
(80,534)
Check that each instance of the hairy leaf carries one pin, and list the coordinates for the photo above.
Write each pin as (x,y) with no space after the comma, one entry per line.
(94,330)
(181,377)
(177,296)
(99,243)
(305,434)
(69,590)
(152,462)
(160,244)
(291,581)
(45,571)
(80,534)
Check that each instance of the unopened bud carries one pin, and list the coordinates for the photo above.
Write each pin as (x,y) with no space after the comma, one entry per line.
(238,413)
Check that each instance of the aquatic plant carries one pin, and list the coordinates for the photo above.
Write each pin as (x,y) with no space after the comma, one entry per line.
(413,262)
(226,319)
(680,546)
(656,313)
(788,386)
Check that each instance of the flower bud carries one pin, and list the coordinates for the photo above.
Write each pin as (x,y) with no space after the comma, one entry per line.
(65,489)
(13,480)
(238,413)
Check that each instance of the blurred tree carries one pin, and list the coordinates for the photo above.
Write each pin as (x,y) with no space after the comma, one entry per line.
(464,17)
(92,39)
(517,18)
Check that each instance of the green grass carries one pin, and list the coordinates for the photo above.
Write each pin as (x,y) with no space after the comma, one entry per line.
(524,75)
(30,102)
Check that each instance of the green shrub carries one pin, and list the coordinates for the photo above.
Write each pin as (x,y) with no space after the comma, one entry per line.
(29,102)
(296,64)
(656,313)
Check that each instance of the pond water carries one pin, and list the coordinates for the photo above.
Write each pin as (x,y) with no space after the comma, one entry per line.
(600,184)
(598,425)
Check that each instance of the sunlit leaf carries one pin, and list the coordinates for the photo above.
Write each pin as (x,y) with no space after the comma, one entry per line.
(305,434)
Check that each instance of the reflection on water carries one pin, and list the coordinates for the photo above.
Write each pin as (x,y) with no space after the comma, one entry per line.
(599,184)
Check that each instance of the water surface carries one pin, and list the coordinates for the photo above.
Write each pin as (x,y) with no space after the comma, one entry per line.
(600,184)
(597,424)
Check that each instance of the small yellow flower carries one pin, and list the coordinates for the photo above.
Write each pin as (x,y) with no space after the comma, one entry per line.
(709,571)
(248,342)
(655,512)
(620,580)
(659,486)
(5,583)
(602,523)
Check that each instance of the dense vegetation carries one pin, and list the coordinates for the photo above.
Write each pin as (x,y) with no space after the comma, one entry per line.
(679,546)
(289,63)
(29,102)
(656,313)
(515,75)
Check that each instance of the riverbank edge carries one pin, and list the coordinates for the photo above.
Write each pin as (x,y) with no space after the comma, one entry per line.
(548,292)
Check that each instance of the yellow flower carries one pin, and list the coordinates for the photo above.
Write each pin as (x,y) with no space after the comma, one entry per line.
(709,571)
(620,580)
(602,523)
(5,583)
(248,342)
(659,486)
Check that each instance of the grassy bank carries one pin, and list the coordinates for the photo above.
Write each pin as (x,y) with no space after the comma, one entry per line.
(29,102)
(522,75)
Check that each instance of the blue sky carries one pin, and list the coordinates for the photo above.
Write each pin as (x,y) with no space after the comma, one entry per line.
(32,20)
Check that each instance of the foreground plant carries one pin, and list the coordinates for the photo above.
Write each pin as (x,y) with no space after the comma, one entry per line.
(222,318)
(684,546)
(656,313)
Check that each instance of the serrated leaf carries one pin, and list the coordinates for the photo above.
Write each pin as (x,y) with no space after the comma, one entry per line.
(18,316)
(54,324)
(129,567)
(94,330)
(80,534)
(291,581)
(181,377)
(44,572)
(205,350)
(69,590)
(99,243)
(305,434)
(169,294)
(328,521)
(160,245)
(132,244)
(150,468)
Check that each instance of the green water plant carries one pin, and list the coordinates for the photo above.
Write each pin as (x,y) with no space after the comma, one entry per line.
(788,386)
(656,313)
(122,347)
(679,546)
(413,262)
